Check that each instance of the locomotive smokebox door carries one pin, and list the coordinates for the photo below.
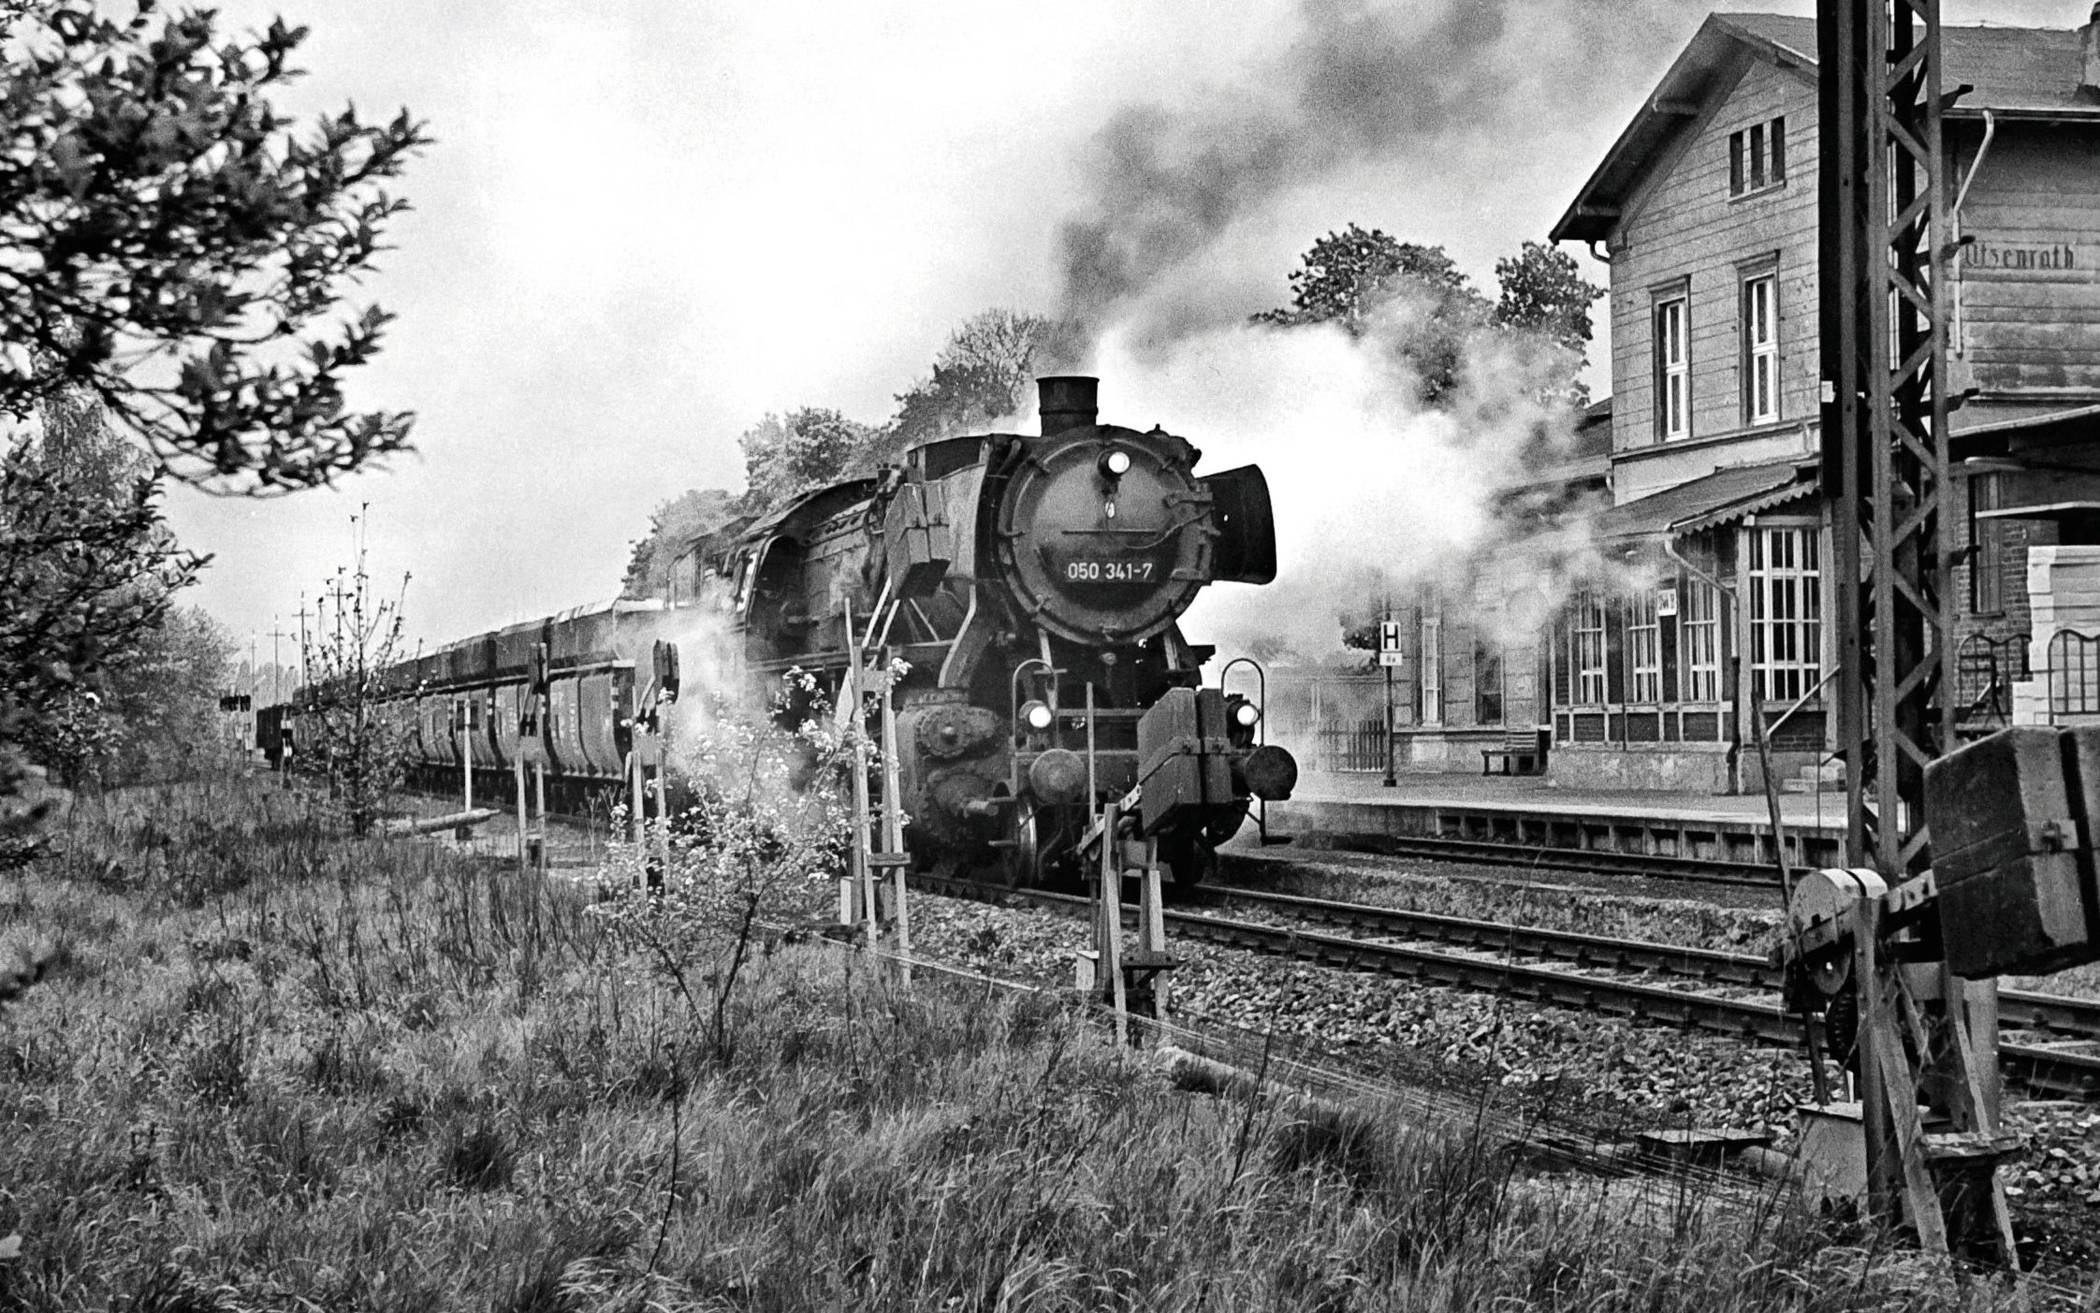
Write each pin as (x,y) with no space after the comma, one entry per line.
(2010,817)
(1182,766)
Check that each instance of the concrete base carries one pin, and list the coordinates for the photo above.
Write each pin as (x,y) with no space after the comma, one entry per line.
(1675,769)
(1833,1156)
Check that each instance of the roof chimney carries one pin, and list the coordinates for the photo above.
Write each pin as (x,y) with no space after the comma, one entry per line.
(2089,75)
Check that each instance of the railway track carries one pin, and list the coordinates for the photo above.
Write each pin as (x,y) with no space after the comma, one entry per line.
(1454,951)
(1583,861)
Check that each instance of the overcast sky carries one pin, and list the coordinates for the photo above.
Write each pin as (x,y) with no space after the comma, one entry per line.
(646,223)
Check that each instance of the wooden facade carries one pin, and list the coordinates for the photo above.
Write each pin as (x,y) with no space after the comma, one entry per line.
(1685,235)
(1706,208)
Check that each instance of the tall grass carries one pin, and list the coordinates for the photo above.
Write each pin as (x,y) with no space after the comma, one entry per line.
(274,1070)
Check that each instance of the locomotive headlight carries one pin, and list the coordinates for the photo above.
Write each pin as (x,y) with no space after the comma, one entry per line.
(1115,463)
(1037,716)
(1246,714)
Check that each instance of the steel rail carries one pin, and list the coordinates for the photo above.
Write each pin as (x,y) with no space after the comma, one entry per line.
(1586,861)
(2071,1018)
(2038,1068)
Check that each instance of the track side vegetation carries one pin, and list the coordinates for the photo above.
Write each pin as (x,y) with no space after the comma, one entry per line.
(256,1065)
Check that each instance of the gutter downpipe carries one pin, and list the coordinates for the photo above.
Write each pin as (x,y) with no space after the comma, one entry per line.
(1961,243)
(1735,729)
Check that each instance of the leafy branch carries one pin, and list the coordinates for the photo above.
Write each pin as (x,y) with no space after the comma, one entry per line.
(178,249)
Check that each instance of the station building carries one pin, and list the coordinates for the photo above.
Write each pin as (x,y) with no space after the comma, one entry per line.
(1718,596)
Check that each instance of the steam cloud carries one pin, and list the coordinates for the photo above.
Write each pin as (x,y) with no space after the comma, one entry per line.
(1375,494)
(1407,86)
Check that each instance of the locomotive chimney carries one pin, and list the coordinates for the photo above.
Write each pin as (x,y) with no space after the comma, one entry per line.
(1066,402)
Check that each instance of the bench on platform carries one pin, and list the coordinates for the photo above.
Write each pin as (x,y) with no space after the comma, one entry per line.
(1519,754)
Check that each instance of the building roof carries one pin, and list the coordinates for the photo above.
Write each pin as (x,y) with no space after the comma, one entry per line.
(1722,497)
(2020,72)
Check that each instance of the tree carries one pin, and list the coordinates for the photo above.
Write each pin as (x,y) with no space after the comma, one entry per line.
(673,525)
(810,447)
(358,723)
(1349,277)
(1349,274)
(88,568)
(175,253)
(1364,280)
(177,250)
(152,712)
(1544,292)
(980,376)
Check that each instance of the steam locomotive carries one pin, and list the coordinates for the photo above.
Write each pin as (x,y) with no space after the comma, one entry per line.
(1030,583)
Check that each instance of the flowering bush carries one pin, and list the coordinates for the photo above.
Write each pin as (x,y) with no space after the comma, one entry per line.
(756,852)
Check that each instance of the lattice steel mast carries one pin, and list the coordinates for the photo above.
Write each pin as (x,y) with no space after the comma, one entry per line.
(1884,263)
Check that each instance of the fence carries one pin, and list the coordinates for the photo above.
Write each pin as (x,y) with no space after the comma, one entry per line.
(2074,674)
(1351,746)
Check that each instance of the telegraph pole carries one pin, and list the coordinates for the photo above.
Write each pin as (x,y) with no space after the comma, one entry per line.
(277,635)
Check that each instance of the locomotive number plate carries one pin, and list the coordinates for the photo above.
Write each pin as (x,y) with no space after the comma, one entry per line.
(1095,570)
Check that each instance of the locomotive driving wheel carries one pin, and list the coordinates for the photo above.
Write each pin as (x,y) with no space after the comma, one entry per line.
(1023,851)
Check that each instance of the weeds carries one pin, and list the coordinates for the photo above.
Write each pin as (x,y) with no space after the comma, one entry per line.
(373,1075)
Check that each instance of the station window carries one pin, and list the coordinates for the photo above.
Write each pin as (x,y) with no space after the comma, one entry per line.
(1987,562)
(1487,682)
(1786,608)
(1429,687)
(1699,635)
(1761,349)
(1644,646)
(1673,376)
(1586,648)
(1757,157)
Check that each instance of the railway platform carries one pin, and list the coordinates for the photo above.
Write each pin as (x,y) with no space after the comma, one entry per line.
(1531,813)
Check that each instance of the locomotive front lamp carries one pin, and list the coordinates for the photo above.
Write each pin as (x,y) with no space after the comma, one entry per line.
(1246,714)
(1037,716)
(1114,463)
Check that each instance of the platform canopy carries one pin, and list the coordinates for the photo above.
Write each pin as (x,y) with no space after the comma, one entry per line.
(1722,497)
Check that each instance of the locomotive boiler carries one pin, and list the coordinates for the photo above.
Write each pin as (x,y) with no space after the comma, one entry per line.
(1031,584)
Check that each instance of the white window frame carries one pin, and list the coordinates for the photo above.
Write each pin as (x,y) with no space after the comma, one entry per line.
(1761,347)
(1644,666)
(1432,672)
(1699,641)
(1587,684)
(1786,611)
(1673,367)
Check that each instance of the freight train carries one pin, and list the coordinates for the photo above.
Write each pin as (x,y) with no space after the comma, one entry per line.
(1031,584)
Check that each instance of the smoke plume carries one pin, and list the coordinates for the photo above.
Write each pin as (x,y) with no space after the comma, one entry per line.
(1406,87)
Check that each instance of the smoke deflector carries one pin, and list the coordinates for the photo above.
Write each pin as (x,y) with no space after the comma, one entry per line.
(1245,549)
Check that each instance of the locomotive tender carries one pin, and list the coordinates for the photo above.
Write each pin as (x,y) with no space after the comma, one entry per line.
(1030,583)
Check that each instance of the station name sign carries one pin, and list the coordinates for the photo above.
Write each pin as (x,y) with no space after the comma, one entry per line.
(1990,258)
